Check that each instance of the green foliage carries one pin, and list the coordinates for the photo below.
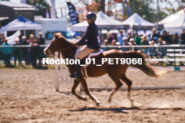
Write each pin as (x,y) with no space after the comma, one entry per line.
(143,8)
(41,6)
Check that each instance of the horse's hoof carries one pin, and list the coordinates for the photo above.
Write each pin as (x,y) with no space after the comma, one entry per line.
(84,98)
(98,103)
(109,100)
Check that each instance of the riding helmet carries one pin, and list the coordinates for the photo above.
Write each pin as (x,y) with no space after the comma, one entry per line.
(91,16)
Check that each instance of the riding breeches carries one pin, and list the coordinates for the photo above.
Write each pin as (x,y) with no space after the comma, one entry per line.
(83,51)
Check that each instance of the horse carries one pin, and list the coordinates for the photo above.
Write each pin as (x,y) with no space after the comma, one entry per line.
(115,72)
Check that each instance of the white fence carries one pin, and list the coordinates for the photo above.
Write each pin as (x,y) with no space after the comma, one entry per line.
(173,51)
(62,73)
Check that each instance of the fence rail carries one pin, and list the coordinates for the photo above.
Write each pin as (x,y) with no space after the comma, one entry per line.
(137,46)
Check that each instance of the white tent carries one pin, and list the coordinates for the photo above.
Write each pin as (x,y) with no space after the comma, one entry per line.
(102,21)
(136,20)
(171,17)
(177,25)
(21,23)
(11,39)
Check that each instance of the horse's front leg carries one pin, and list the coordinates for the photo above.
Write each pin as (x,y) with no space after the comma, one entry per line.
(87,91)
(75,84)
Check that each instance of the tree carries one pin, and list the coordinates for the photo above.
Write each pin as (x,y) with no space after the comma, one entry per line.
(97,5)
(41,6)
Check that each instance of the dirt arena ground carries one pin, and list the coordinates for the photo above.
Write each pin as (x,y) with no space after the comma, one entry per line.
(29,96)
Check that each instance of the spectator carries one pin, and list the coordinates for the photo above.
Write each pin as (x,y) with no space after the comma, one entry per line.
(1,42)
(125,43)
(33,50)
(25,51)
(172,37)
(149,37)
(41,41)
(120,37)
(176,39)
(110,38)
(20,39)
(7,51)
(145,42)
(129,36)
(183,36)
(113,43)
(17,53)
(166,38)
(152,50)
(105,43)
(137,39)
(155,36)
(161,50)
(132,43)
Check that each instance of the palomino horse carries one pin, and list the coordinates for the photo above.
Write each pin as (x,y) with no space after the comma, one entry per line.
(115,72)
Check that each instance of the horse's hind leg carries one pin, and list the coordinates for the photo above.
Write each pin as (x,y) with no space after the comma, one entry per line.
(76,83)
(129,84)
(87,91)
(118,86)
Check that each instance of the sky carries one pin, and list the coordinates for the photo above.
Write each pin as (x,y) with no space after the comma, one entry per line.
(62,4)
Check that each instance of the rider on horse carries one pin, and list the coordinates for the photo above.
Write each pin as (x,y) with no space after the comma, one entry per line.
(91,42)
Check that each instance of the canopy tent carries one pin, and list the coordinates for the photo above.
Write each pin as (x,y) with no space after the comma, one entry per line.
(172,17)
(177,25)
(103,21)
(137,21)
(21,23)
(11,39)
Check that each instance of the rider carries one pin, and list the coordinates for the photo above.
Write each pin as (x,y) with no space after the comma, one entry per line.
(91,42)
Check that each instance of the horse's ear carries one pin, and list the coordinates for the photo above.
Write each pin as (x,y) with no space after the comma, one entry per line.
(56,36)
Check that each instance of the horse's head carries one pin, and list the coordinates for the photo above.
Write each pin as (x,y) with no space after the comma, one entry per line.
(55,45)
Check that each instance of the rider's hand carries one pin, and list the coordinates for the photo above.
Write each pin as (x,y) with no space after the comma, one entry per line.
(75,45)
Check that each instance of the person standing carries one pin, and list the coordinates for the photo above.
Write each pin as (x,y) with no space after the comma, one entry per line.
(120,37)
(137,39)
(41,41)
(176,39)
(25,52)
(155,35)
(183,36)
(7,51)
(125,43)
(1,42)
(166,38)
(129,36)
(17,53)
(145,42)
(110,38)
(35,51)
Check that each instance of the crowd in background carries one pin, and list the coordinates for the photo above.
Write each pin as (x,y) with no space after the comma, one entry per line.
(30,53)
(153,39)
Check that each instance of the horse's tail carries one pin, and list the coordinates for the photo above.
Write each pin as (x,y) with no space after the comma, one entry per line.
(147,69)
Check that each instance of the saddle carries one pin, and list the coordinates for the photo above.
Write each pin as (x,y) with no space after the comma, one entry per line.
(96,53)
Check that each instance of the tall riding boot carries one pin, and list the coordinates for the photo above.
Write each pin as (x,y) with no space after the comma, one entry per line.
(78,73)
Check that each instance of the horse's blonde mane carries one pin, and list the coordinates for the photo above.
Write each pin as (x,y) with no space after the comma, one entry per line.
(60,36)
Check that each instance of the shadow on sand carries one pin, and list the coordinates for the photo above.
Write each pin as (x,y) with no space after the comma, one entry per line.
(121,109)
